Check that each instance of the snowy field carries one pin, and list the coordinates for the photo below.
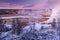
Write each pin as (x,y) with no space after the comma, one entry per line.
(32,32)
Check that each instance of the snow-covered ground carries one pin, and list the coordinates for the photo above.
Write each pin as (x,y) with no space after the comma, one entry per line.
(32,32)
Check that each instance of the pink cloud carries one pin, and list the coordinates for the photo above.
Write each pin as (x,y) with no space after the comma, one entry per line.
(40,5)
(4,5)
(15,6)
(53,3)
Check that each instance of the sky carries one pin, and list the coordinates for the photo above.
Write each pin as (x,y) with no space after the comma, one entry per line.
(53,3)
(29,4)
(21,4)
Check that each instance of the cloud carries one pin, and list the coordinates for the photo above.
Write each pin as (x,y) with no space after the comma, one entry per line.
(40,5)
(53,3)
(23,1)
(28,5)
(36,6)
(4,5)
(20,4)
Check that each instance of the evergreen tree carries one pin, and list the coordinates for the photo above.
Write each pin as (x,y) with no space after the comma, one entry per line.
(58,29)
(13,26)
(17,26)
(1,25)
(54,23)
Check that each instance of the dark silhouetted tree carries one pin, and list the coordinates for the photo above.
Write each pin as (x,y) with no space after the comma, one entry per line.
(17,26)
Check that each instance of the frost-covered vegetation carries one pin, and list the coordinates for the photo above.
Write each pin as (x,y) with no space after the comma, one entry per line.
(35,31)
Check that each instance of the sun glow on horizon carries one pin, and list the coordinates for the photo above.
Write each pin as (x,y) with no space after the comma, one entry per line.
(54,14)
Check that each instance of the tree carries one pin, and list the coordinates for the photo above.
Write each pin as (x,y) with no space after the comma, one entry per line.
(58,29)
(13,26)
(17,26)
(54,23)
(1,25)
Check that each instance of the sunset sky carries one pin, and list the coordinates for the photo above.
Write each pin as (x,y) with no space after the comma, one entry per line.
(29,4)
